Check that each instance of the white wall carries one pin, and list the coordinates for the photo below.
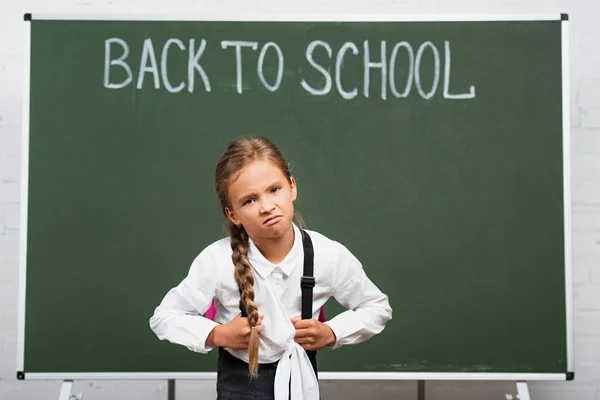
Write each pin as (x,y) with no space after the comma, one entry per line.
(585,155)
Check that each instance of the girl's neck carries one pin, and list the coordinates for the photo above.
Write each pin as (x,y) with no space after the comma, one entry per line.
(275,250)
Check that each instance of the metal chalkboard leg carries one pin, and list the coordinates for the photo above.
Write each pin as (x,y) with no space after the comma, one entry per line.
(421,391)
(171,389)
(522,392)
(65,390)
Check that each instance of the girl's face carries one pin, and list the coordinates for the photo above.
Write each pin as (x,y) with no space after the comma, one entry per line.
(262,201)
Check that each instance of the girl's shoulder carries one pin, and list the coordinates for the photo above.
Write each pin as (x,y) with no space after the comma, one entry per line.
(325,246)
(215,252)
(334,263)
(212,262)
(220,246)
(318,238)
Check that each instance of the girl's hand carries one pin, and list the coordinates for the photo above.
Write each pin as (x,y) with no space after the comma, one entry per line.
(234,334)
(312,334)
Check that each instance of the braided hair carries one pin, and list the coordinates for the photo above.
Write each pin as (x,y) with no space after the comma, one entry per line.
(239,154)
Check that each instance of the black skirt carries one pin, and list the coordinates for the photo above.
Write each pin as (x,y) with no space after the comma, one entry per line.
(234,382)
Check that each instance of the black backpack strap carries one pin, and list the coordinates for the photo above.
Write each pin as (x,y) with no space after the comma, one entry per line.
(307,282)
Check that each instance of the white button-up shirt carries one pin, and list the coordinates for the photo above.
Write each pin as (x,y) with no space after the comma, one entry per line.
(278,295)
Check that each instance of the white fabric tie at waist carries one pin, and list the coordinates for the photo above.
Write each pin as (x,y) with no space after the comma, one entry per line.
(295,367)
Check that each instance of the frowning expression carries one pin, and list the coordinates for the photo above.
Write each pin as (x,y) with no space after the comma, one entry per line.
(262,200)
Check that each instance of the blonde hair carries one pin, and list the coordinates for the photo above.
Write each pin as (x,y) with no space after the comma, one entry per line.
(239,154)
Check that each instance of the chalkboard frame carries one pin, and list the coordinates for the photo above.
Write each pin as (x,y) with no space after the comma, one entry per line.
(216,16)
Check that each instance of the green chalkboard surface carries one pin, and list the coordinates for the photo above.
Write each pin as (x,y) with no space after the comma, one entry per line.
(432,150)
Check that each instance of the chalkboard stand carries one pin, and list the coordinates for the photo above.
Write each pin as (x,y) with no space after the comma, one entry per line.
(421,390)
(522,392)
(65,390)
(171,391)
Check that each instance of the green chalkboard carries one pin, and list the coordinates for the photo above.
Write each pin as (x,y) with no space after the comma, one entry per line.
(432,150)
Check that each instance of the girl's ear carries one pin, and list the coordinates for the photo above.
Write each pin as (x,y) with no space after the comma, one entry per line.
(230,214)
(294,188)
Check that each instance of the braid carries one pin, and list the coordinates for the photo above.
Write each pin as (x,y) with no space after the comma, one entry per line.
(239,154)
(245,281)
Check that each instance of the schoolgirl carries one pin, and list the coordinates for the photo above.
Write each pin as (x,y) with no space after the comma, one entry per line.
(269,280)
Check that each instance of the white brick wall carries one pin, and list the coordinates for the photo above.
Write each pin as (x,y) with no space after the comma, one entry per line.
(585,122)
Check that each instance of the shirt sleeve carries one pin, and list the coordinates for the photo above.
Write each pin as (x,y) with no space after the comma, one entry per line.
(368,309)
(178,318)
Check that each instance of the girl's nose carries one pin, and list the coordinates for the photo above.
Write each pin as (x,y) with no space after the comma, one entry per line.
(266,206)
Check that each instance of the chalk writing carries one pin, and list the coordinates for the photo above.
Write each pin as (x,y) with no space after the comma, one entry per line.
(324,74)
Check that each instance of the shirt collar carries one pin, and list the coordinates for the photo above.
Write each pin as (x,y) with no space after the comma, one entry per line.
(264,267)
